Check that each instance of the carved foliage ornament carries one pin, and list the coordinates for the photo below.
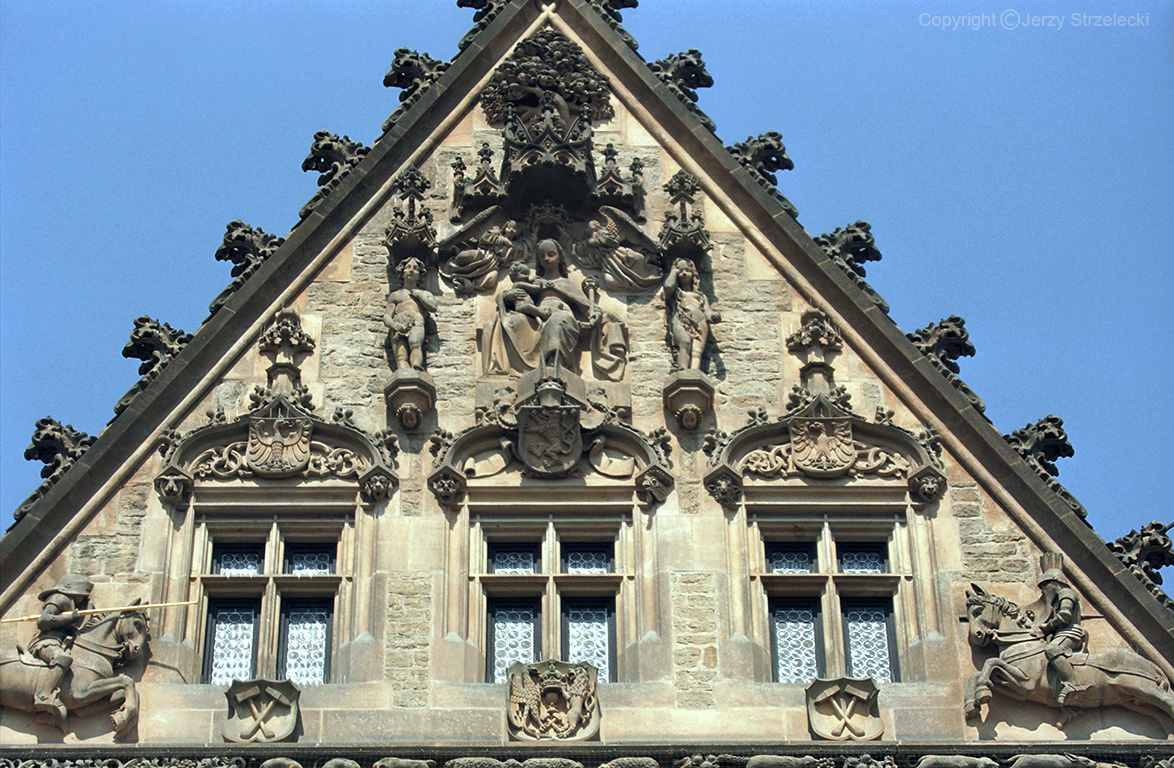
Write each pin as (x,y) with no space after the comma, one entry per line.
(763,157)
(247,248)
(1146,551)
(59,447)
(821,440)
(849,248)
(1040,445)
(683,73)
(332,158)
(552,700)
(943,343)
(412,72)
(155,344)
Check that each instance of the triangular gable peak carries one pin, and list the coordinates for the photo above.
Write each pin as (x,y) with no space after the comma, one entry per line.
(507,205)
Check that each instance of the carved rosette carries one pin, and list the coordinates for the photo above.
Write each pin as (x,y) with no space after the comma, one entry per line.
(552,701)
(822,440)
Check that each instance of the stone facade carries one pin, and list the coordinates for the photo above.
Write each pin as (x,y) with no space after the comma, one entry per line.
(853,459)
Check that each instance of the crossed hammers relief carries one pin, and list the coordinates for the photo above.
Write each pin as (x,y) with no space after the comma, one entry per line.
(249,696)
(845,713)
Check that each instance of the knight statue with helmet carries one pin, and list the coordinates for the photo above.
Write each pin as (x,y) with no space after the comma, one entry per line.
(1058,622)
(57,626)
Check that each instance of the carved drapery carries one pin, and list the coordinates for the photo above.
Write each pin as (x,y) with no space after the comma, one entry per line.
(821,440)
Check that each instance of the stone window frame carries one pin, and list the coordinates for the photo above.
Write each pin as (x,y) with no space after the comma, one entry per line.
(551,586)
(273,588)
(826,585)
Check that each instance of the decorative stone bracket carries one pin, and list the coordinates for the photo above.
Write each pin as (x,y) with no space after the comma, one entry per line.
(688,396)
(822,440)
(277,440)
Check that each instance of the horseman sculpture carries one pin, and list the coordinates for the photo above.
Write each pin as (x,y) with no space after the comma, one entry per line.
(72,659)
(1028,649)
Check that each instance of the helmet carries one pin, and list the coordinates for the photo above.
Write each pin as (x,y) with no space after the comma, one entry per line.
(69,585)
(1052,574)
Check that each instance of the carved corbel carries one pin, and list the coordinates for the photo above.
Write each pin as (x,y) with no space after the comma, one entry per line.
(174,485)
(688,396)
(409,396)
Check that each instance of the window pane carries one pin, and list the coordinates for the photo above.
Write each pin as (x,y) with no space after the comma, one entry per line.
(588,634)
(231,641)
(305,644)
(237,559)
(515,559)
(514,636)
(590,558)
(797,657)
(858,558)
(309,559)
(790,558)
(866,631)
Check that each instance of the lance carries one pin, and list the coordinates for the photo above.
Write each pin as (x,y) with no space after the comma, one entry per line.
(92,611)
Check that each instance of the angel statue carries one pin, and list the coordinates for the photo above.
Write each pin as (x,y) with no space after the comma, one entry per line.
(625,269)
(405,316)
(689,314)
(475,256)
(541,320)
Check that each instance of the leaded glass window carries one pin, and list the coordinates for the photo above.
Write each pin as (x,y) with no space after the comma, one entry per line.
(513,559)
(309,559)
(587,558)
(862,558)
(237,559)
(587,634)
(232,641)
(798,651)
(513,636)
(305,641)
(869,641)
(790,558)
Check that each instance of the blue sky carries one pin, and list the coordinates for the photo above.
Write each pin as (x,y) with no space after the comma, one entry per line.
(1017,174)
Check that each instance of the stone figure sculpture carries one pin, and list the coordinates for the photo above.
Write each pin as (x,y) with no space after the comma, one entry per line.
(543,320)
(1020,670)
(72,659)
(476,269)
(405,318)
(1059,623)
(689,315)
(607,248)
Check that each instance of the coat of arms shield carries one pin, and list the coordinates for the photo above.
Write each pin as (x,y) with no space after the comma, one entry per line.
(261,710)
(550,440)
(278,447)
(822,447)
(844,709)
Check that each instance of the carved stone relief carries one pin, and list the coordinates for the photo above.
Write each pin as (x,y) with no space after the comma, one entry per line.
(552,700)
(261,710)
(844,709)
(820,439)
(1040,656)
(73,659)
